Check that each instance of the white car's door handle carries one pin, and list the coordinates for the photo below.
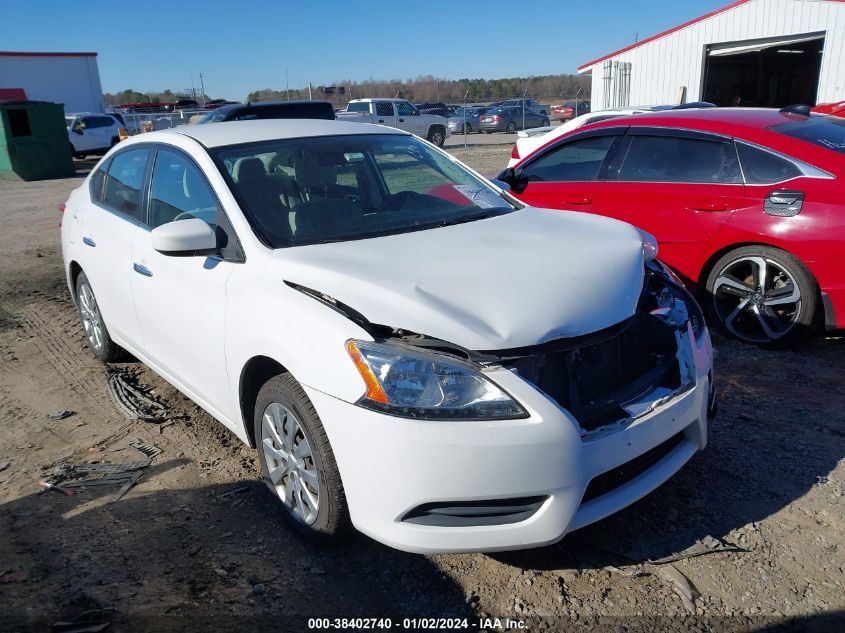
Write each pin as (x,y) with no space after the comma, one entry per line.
(142,270)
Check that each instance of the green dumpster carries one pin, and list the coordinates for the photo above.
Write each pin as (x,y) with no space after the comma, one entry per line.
(33,141)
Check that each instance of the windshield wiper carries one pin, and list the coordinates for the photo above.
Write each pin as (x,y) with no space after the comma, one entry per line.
(466,218)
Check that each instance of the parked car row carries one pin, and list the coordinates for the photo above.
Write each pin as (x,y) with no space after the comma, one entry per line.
(746,204)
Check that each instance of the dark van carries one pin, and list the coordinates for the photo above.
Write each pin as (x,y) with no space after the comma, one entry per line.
(299,109)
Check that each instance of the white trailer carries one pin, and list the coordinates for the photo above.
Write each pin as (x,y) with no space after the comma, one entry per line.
(69,78)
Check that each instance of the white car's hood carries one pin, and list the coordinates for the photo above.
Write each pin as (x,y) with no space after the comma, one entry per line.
(510,281)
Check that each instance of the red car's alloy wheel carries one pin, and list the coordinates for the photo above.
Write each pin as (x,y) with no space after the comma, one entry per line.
(762,296)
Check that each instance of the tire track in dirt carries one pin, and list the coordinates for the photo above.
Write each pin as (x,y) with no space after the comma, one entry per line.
(52,324)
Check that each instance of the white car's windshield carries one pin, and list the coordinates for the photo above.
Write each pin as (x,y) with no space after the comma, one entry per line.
(337,188)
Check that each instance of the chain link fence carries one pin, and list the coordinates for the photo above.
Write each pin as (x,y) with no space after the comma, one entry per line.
(139,122)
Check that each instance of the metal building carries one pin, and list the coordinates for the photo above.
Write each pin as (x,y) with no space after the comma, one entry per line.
(769,53)
(69,78)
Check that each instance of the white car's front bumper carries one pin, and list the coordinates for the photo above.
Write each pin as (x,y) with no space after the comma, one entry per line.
(391,466)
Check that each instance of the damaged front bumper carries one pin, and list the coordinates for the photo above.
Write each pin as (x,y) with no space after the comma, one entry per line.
(439,486)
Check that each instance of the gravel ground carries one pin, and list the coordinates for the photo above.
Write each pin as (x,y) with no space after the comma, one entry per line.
(197,545)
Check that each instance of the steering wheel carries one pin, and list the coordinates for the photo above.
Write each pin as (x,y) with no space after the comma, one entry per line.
(399,200)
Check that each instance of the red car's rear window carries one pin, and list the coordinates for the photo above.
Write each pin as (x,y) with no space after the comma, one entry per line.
(825,131)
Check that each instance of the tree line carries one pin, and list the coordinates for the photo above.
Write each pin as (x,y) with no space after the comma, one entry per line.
(133,96)
(429,88)
(424,88)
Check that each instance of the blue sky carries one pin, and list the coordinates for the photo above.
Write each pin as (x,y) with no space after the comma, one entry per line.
(240,47)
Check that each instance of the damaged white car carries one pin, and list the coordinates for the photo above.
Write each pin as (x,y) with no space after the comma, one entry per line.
(409,349)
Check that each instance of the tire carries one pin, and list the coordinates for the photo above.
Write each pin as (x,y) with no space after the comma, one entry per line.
(282,401)
(96,333)
(511,127)
(468,129)
(546,123)
(437,136)
(742,309)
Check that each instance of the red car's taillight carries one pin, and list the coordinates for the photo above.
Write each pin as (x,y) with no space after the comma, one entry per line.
(495,117)
(515,152)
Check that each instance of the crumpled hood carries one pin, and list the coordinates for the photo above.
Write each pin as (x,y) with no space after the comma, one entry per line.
(514,280)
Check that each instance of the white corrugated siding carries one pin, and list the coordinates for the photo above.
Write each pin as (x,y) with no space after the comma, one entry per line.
(71,80)
(660,67)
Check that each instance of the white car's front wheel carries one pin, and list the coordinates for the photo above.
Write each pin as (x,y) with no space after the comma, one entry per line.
(297,460)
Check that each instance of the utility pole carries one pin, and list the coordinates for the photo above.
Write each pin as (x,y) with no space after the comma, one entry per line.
(287,85)
(202,88)
(466,94)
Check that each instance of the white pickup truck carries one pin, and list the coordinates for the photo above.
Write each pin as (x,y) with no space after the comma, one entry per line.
(400,114)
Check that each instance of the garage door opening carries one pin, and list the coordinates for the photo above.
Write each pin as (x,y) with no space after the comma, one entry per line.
(771,73)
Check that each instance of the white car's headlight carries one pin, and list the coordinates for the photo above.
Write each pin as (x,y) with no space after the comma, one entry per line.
(419,384)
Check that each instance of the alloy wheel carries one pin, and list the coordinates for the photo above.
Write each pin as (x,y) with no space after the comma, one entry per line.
(290,463)
(91,318)
(757,299)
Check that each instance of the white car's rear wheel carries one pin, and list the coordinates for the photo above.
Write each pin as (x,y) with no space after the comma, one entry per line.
(96,333)
(297,460)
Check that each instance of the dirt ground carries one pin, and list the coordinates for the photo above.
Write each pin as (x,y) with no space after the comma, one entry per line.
(197,544)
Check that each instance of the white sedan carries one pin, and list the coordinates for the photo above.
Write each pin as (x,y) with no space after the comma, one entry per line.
(410,349)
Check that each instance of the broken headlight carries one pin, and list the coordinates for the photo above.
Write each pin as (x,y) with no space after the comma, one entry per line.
(666,297)
(420,384)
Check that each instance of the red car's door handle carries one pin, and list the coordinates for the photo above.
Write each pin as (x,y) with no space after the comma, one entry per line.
(580,200)
(709,205)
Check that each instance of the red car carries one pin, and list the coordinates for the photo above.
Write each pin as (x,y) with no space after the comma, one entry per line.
(748,206)
(563,112)
(836,109)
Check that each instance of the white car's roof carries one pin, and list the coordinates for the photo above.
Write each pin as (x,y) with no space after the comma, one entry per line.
(236,132)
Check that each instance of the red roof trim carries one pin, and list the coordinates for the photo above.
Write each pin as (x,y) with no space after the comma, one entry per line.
(31,54)
(670,31)
(667,32)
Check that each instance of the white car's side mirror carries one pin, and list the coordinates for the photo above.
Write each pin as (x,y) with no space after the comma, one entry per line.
(184,237)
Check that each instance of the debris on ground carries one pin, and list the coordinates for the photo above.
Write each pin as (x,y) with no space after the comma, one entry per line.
(705,545)
(160,427)
(61,415)
(134,401)
(4,466)
(81,476)
(12,576)
(150,450)
(234,491)
(681,585)
(88,622)
(46,486)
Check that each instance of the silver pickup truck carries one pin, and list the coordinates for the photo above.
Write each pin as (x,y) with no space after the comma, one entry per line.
(400,114)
